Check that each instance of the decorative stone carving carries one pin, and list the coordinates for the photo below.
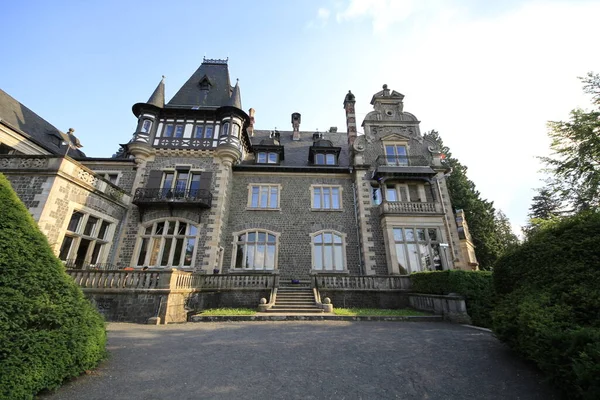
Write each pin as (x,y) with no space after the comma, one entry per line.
(20,163)
(359,144)
(87,177)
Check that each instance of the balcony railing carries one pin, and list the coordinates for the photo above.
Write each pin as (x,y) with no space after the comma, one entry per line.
(82,264)
(360,282)
(402,161)
(200,197)
(409,207)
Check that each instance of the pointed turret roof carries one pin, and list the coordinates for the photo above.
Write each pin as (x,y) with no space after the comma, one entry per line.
(158,97)
(236,98)
(196,93)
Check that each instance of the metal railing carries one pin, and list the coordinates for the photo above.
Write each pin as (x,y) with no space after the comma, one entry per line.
(360,282)
(402,161)
(168,195)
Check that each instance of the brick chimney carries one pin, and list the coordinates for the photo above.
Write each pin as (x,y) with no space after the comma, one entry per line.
(349,102)
(250,129)
(296,118)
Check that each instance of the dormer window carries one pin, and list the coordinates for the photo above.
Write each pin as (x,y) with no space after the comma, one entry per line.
(267,158)
(325,159)
(396,154)
(204,83)
(322,152)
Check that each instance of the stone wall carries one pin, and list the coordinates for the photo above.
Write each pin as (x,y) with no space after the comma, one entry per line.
(294,221)
(125,168)
(233,298)
(366,298)
(129,306)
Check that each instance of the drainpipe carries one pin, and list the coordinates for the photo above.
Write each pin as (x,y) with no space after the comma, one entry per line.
(360,264)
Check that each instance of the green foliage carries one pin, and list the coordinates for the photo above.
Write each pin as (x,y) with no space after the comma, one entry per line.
(48,330)
(489,235)
(476,286)
(549,303)
(576,152)
(369,312)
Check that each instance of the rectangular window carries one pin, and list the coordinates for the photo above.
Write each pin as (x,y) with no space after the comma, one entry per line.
(267,158)
(264,196)
(199,132)
(396,154)
(168,130)
(330,159)
(179,131)
(417,249)
(208,132)
(327,198)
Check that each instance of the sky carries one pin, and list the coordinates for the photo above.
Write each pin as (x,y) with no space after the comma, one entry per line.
(486,75)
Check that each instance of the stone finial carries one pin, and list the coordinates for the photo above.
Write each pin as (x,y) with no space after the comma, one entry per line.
(296,119)
(263,301)
(326,300)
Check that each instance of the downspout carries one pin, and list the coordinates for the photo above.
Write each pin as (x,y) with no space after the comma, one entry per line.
(360,263)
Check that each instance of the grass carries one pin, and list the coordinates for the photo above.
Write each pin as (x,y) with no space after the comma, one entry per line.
(378,312)
(228,311)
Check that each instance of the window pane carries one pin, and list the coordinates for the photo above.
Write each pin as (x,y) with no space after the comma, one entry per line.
(235,131)
(317,197)
(193,230)
(318,238)
(182,228)
(398,235)
(179,131)
(255,191)
(90,226)
(335,198)
(270,258)
(155,250)
(338,261)
(199,131)
(171,227)
(65,248)
(168,131)
(160,227)
(262,158)
(239,257)
(328,257)
(377,196)
(413,257)
(328,237)
(330,159)
(166,252)
(401,258)
(251,236)
(249,256)
(271,238)
(421,235)
(167,182)
(437,260)
(181,183)
(337,238)
(146,126)
(225,130)
(264,195)
(318,261)
(320,159)
(74,222)
(391,194)
(103,230)
(259,260)
(410,235)
(273,200)
(425,256)
(272,158)
(326,198)
(432,234)
(208,132)
(189,251)
(242,237)
(143,251)
(177,255)
(96,253)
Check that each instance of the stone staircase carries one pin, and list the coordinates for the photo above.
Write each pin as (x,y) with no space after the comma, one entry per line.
(295,298)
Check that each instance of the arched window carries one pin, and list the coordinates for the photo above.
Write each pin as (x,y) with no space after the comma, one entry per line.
(328,251)
(169,243)
(255,250)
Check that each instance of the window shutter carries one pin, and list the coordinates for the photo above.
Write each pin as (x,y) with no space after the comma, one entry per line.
(428,193)
(413,190)
(154,179)
(206,180)
(403,193)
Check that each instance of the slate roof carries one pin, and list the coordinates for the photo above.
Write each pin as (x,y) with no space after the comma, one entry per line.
(216,73)
(158,96)
(32,126)
(296,152)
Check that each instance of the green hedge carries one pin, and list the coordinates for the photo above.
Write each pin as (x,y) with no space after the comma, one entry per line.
(476,286)
(48,330)
(549,303)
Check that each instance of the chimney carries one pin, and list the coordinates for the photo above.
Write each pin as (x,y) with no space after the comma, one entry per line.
(250,129)
(349,102)
(296,118)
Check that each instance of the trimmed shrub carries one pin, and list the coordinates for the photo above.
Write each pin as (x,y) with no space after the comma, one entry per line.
(476,286)
(48,330)
(549,303)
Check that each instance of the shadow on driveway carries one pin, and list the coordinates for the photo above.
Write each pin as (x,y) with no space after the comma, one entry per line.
(306,360)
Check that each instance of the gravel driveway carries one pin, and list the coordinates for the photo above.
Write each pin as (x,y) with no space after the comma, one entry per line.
(306,360)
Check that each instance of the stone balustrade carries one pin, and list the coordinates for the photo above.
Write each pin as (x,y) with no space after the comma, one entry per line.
(360,282)
(409,207)
(142,280)
(238,281)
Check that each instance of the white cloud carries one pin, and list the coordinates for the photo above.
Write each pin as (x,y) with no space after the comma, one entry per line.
(323,14)
(383,13)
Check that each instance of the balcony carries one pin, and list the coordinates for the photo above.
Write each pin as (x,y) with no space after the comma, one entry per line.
(405,166)
(409,207)
(149,197)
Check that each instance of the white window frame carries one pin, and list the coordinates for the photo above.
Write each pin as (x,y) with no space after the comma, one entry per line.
(268,159)
(106,174)
(159,240)
(343,268)
(320,206)
(253,246)
(415,244)
(269,206)
(396,161)
(145,129)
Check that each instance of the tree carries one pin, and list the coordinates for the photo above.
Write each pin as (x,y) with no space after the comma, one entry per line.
(575,162)
(506,238)
(480,213)
(48,330)
(545,210)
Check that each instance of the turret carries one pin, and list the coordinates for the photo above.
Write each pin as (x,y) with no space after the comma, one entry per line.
(147,114)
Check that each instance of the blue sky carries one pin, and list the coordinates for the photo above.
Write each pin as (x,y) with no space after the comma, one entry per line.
(486,75)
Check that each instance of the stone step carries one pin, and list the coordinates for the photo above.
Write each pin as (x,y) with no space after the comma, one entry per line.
(294,288)
(313,305)
(294,310)
(294,303)
(281,298)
